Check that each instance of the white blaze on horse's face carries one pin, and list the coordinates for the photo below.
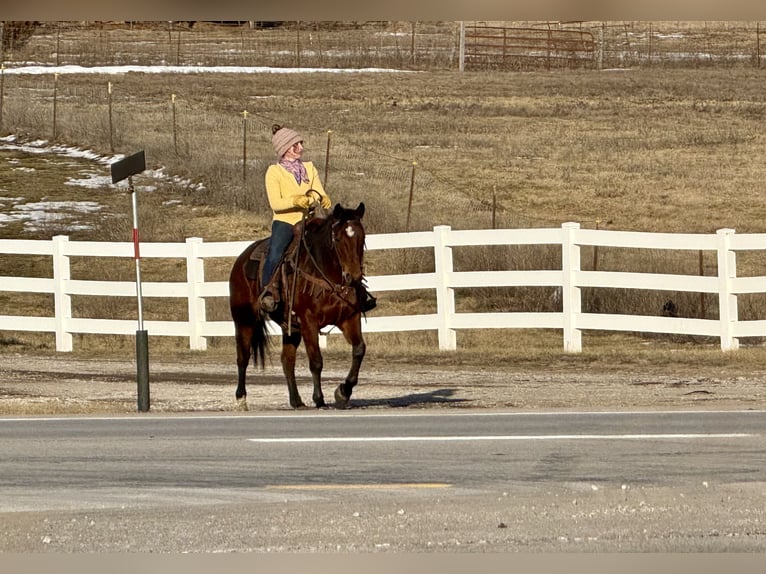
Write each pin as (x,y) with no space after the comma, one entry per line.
(349,231)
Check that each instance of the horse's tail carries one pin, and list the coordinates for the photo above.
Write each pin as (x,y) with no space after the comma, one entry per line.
(259,342)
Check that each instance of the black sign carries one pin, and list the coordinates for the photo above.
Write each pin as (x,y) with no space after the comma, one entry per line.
(131,165)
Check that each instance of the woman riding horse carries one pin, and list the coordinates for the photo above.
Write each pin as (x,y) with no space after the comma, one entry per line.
(292,186)
(323,287)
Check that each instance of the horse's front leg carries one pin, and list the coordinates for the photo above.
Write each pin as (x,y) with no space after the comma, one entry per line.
(243,337)
(352,331)
(289,347)
(311,341)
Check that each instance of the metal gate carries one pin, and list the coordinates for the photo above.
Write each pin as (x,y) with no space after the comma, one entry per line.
(499,47)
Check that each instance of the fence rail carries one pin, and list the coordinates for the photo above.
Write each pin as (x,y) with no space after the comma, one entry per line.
(443,279)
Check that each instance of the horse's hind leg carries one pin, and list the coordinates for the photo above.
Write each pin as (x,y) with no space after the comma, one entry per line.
(289,347)
(243,337)
(353,335)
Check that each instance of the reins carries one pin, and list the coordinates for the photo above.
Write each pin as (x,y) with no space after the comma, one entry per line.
(295,276)
(336,288)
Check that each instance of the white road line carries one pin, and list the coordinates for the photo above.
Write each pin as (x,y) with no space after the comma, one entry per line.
(298,415)
(300,440)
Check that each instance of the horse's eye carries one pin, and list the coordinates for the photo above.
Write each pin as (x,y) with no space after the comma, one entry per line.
(349,231)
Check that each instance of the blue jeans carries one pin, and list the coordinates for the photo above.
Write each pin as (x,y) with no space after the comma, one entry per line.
(281,236)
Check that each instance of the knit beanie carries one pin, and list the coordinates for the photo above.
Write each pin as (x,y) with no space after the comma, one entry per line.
(284,138)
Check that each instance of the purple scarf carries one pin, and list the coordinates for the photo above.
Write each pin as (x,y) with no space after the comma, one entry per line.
(296,168)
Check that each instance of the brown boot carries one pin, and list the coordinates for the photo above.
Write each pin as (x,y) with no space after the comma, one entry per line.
(269,298)
(367,301)
(267,302)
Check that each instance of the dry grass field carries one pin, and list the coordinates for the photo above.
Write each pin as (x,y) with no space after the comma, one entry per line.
(649,146)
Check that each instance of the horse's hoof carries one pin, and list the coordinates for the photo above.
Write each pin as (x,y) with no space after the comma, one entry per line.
(320,404)
(242,405)
(341,401)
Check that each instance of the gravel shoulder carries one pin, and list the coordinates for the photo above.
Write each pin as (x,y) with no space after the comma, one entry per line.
(62,384)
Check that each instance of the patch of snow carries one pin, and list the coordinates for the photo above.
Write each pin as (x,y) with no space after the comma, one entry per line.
(120,70)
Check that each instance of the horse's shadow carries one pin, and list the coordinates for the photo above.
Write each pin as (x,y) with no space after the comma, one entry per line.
(439,396)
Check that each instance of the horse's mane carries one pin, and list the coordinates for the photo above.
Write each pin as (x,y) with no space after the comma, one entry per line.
(316,228)
(319,230)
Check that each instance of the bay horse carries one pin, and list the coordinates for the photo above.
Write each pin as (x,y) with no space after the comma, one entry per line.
(321,285)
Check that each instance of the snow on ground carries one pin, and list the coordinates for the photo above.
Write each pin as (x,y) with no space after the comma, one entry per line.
(46,211)
(35,69)
(38,213)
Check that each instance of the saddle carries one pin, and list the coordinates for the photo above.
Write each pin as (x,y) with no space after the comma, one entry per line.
(258,255)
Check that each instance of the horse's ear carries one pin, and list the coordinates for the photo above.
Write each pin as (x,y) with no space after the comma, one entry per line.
(360,210)
(338,211)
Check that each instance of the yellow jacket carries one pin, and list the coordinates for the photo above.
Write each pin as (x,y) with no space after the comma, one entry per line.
(281,189)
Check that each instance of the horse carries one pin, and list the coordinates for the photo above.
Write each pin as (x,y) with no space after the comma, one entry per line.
(322,284)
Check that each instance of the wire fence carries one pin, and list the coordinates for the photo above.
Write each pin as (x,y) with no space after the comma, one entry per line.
(245,148)
(410,45)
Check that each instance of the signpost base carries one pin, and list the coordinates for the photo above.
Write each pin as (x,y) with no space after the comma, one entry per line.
(142,365)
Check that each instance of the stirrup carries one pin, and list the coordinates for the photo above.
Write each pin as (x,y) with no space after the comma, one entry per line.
(267,302)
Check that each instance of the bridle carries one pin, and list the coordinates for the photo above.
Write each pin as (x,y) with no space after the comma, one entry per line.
(340,290)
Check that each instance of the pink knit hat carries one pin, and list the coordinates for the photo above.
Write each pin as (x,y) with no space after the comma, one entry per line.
(283,139)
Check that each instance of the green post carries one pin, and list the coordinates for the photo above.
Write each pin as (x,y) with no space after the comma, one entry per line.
(142,370)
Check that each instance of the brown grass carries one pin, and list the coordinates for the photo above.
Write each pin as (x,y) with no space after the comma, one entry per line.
(649,149)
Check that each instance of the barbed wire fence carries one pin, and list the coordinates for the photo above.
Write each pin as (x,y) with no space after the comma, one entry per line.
(428,45)
(413,45)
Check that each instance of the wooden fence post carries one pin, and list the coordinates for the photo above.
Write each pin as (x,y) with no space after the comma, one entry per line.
(2,89)
(727,301)
(298,43)
(111,124)
(595,248)
(55,103)
(494,207)
(445,294)
(58,43)
(570,293)
(195,278)
(412,191)
(244,145)
(175,126)
(62,301)
(327,159)
(703,306)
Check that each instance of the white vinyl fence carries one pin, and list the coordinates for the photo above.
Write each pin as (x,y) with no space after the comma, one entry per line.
(569,280)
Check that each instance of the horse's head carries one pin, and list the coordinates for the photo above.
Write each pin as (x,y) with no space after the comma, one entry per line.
(348,241)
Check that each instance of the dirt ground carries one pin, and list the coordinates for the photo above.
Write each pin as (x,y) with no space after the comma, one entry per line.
(62,384)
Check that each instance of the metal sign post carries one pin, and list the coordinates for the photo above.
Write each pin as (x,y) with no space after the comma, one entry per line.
(126,168)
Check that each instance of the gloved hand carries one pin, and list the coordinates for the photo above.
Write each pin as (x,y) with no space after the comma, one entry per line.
(325,202)
(301,201)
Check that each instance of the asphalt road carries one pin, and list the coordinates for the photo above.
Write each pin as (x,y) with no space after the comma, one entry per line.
(346,482)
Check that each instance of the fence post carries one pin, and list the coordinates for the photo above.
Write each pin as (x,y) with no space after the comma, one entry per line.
(62,301)
(570,293)
(327,160)
(195,277)
(445,295)
(727,301)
